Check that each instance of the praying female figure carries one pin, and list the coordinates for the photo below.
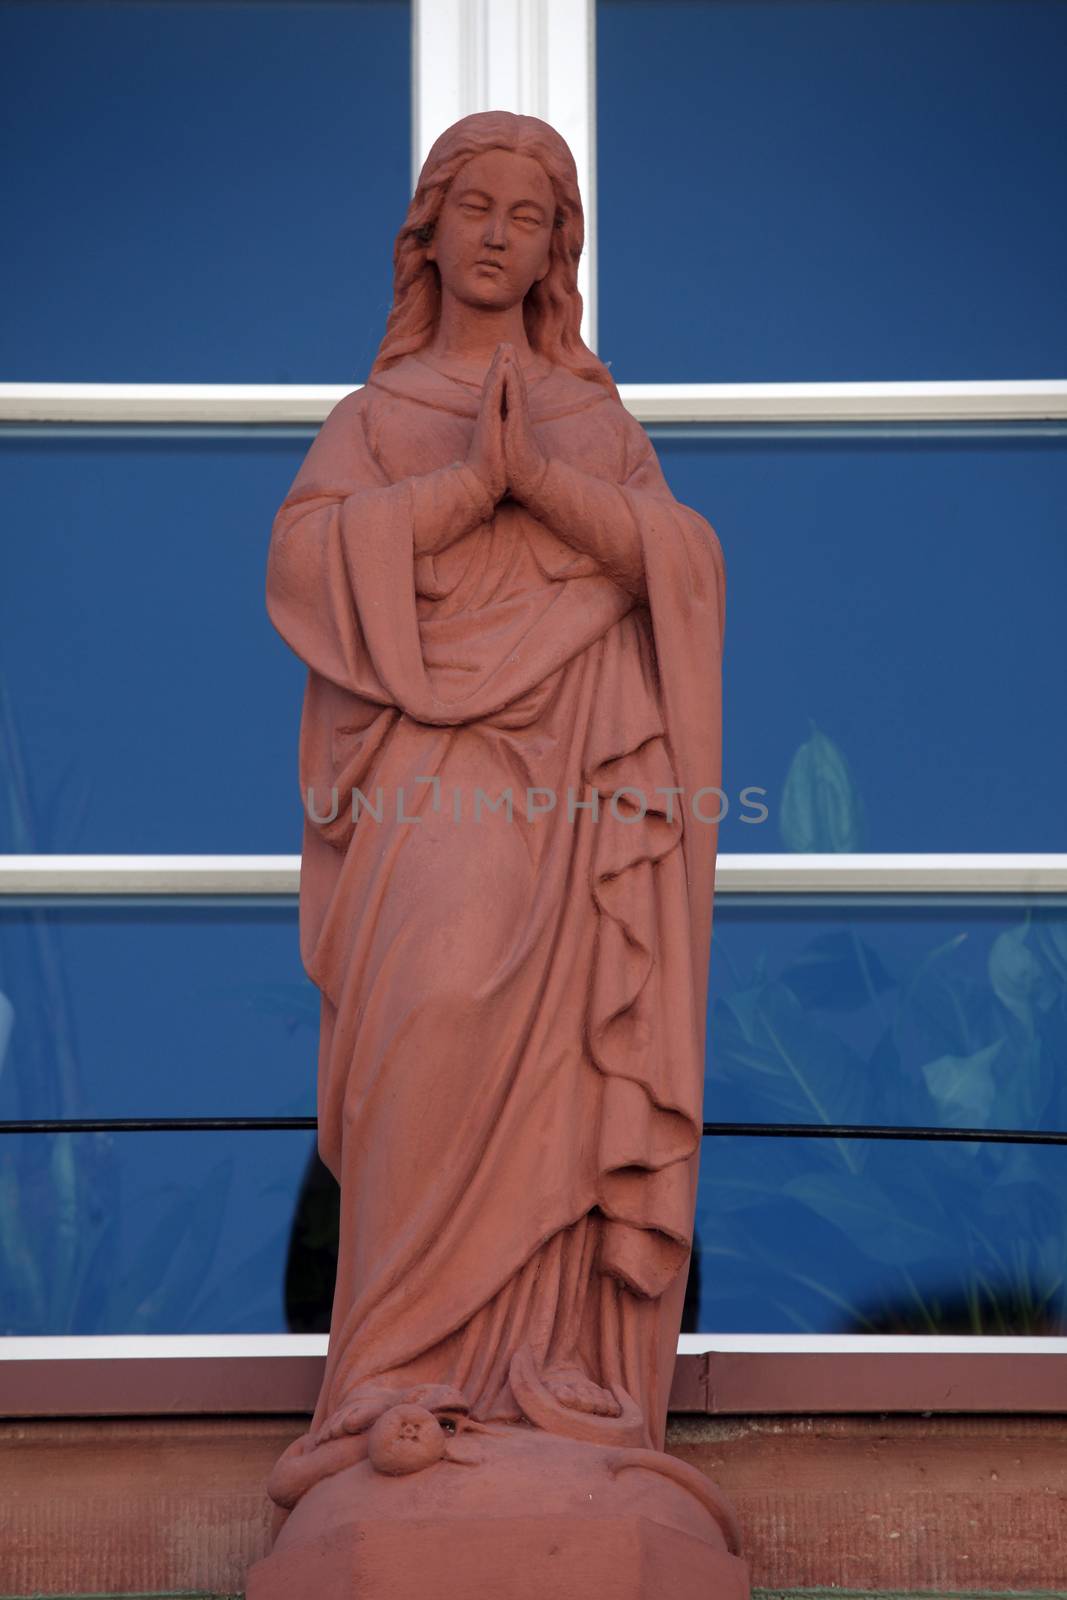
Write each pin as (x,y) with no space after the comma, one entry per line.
(509,759)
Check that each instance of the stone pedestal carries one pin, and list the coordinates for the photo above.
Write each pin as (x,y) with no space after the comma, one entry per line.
(517,1514)
(507,1558)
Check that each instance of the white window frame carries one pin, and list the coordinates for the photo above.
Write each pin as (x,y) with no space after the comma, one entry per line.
(537,57)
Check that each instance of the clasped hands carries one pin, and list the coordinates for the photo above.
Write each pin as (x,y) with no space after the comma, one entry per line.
(503,450)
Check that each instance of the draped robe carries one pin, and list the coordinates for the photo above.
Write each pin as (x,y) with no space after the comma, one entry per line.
(511,1048)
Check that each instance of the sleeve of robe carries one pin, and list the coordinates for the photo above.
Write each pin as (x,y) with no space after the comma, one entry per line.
(600,518)
(344,537)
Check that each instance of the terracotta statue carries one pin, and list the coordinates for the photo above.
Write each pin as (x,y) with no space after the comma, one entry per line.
(509,754)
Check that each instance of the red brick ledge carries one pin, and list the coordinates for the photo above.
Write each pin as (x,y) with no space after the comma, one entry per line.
(858,1505)
(757,1594)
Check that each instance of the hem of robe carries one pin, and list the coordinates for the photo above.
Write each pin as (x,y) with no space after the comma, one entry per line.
(569,1314)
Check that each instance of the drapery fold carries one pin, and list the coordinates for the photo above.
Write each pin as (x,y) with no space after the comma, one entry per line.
(512,1027)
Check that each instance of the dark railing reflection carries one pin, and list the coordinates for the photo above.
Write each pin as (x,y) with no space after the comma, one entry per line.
(751,1130)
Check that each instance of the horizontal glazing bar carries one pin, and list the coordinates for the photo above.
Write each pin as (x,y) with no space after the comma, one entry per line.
(850,874)
(978,400)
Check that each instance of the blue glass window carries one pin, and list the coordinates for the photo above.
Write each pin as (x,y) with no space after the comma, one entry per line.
(822,194)
(894,629)
(155,1009)
(202,193)
(148,1233)
(949,1013)
(871,1236)
(915,1011)
(931,1010)
(821,191)
(893,619)
(230,1233)
(146,703)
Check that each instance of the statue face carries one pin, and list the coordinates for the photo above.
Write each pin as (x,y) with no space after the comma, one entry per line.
(494,233)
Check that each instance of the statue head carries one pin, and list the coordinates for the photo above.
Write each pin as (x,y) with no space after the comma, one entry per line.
(543,251)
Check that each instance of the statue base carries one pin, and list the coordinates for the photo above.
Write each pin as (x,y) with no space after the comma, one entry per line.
(523,1515)
(506,1558)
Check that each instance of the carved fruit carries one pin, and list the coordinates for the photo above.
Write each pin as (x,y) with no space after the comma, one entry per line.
(405,1439)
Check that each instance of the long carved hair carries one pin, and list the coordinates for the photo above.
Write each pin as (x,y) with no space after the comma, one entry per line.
(552,310)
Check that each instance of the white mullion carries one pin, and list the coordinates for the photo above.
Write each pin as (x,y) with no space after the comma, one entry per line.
(1007,400)
(781,874)
(535,57)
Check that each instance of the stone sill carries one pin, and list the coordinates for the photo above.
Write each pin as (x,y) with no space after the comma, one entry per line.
(717,1383)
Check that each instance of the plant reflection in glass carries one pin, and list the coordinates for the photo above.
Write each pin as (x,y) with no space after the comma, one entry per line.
(853,1235)
(104,1233)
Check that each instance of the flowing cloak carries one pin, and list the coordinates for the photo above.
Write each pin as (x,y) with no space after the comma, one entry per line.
(511,1049)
